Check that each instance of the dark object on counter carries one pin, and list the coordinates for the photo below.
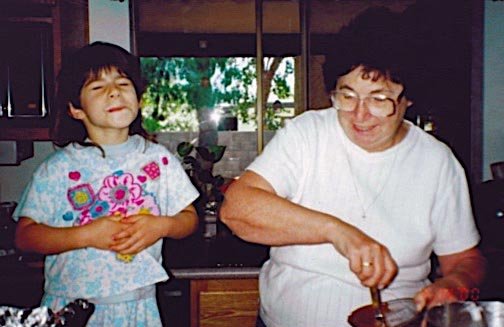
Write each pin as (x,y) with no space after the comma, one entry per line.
(74,314)
(13,152)
(8,252)
(489,212)
(488,200)
(7,228)
(497,169)
(6,209)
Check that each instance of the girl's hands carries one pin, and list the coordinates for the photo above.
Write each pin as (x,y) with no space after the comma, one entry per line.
(100,232)
(139,232)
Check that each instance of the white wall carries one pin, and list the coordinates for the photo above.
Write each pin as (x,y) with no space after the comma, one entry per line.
(493,85)
(13,179)
(109,22)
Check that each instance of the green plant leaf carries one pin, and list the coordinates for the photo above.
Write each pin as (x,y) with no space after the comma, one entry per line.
(217,152)
(184,148)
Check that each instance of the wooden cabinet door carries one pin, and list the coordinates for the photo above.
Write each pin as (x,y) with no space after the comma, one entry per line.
(224,302)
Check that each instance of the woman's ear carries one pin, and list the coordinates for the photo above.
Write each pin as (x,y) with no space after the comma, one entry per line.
(75,113)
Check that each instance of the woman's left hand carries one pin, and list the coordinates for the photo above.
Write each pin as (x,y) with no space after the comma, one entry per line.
(442,291)
(461,271)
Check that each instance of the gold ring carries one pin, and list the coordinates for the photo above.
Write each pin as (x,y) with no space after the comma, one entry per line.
(367,264)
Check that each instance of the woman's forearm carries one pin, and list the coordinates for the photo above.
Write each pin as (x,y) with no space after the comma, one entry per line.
(468,272)
(270,219)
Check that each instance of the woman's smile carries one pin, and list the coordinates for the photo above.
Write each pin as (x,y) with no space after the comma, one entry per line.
(363,129)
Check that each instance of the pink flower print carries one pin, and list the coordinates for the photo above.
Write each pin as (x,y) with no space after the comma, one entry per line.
(81,196)
(152,170)
(85,218)
(147,206)
(164,160)
(99,209)
(120,191)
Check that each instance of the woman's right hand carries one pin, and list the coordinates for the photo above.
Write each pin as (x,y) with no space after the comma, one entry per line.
(100,232)
(368,259)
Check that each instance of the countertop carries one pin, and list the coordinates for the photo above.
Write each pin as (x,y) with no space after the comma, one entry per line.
(225,256)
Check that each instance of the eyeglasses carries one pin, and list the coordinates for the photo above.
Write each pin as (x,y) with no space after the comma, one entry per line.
(378,104)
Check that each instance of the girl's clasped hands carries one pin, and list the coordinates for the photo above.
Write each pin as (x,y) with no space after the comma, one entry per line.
(124,235)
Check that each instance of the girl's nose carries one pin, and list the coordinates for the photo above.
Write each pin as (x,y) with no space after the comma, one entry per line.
(113,91)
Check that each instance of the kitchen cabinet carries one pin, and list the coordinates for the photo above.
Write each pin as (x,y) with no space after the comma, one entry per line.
(212,282)
(30,57)
(224,302)
(35,36)
(21,283)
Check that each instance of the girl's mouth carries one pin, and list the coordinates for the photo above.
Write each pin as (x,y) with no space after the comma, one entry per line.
(114,109)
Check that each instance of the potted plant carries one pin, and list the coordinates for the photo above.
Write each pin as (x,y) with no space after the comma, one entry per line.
(198,162)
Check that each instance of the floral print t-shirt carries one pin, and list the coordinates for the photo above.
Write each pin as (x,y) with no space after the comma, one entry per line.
(76,185)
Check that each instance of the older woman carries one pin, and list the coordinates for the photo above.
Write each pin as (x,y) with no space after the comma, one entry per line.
(351,197)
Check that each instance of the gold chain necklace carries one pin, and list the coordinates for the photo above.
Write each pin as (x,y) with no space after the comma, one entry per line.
(365,209)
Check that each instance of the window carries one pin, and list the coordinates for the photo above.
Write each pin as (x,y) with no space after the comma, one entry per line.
(200,58)
(183,93)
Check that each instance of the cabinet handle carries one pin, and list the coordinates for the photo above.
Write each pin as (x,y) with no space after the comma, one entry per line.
(175,293)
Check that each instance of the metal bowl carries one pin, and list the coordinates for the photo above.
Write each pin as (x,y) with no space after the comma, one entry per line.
(467,314)
(493,312)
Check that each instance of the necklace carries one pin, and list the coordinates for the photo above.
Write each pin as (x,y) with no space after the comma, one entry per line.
(356,189)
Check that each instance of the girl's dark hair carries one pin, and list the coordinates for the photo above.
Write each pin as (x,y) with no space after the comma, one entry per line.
(87,62)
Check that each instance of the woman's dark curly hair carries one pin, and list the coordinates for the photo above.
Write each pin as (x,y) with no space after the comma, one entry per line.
(88,62)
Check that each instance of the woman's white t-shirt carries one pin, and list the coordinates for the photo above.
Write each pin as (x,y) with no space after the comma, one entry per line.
(414,196)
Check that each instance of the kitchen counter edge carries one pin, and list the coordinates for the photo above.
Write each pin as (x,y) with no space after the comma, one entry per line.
(216,273)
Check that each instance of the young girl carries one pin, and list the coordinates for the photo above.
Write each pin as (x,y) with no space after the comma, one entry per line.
(100,206)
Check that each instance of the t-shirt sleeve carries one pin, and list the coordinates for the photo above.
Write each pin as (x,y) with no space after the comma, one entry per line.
(455,229)
(281,162)
(22,207)
(36,201)
(180,191)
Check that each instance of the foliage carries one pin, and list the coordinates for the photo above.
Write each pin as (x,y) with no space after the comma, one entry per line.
(271,119)
(165,102)
(176,91)
(199,169)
